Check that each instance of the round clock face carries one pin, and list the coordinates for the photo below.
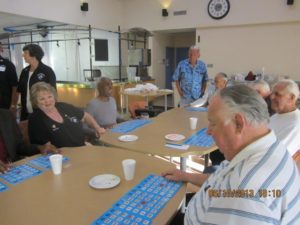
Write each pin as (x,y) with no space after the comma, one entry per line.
(218,9)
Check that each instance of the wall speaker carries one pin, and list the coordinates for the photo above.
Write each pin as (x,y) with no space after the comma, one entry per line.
(84,7)
(164,12)
(290,2)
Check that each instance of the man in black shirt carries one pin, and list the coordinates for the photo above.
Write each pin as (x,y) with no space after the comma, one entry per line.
(8,83)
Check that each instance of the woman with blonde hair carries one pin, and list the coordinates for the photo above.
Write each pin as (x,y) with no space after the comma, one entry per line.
(57,122)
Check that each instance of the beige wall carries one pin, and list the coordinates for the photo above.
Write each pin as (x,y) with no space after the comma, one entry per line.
(254,34)
(185,39)
(158,44)
(138,12)
(108,14)
(240,49)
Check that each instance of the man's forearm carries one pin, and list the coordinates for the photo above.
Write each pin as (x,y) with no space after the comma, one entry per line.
(14,97)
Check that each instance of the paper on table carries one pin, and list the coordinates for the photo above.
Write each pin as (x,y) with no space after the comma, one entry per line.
(177,146)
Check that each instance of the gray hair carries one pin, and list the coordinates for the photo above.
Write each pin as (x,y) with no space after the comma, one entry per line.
(261,85)
(102,85)
(243,99)
(39,87)
(291,87)
(223,75)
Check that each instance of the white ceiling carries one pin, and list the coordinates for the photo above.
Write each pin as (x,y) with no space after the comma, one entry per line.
(11,20)
(10,23)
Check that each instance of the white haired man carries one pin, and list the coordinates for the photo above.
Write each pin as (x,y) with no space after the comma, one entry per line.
(258,183)
(221,81)
(191,77)
(286,121)
(264,90)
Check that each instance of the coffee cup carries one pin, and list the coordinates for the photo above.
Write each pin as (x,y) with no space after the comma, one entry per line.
(129,168)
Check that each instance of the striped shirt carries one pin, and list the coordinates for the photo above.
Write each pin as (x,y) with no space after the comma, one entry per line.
(260,185)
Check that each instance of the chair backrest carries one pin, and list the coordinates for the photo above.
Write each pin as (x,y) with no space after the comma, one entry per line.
(24,130)
(134,106)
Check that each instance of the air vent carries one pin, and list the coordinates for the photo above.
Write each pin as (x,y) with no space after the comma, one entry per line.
(179,13)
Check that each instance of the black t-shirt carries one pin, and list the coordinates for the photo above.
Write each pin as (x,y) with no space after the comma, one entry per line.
(8,80)
(69,133)
(42,73)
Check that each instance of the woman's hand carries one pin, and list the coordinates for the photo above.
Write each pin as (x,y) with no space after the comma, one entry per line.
(48,148)
(3,167)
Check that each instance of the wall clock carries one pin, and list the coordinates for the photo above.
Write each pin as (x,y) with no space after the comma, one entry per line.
(218,9)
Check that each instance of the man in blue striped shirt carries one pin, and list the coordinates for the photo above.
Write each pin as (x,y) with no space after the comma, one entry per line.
(258,183)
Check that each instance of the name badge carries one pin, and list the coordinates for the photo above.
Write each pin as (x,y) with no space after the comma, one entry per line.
(2,68)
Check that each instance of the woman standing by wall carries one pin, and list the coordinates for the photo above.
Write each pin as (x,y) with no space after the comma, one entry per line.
(35,72)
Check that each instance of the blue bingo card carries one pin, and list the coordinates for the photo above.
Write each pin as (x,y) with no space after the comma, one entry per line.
(44,162)
(20,173)
(200,139)
(196,109)
(3,187)
(130,125)
(142,203)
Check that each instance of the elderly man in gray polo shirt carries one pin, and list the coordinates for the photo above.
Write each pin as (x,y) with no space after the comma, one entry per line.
(258,183)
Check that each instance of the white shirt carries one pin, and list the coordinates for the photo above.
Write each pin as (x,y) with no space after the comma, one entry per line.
(28,102)
(287,128)
(263,165)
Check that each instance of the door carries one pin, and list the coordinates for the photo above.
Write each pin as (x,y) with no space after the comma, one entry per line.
(173,57)
(169,66)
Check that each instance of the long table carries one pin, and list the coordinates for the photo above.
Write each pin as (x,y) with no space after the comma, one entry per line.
(151,137)
(69,200)
(147,94)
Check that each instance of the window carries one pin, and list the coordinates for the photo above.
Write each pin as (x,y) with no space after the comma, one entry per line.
(101,50)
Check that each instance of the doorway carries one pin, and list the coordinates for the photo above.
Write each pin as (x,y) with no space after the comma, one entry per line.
(173,57)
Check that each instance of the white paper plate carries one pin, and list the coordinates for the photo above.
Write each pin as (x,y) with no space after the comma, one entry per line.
(174,137)
(128,137)
(104,181)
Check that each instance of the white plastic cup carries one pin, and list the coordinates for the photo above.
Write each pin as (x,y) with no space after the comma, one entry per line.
(56,163)
(128,168)
(137,79)
(193,123)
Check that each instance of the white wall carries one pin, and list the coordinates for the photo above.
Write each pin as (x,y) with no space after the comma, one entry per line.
(240,49)
(138,12)
(104,14)
(253,35)
(158,45)
(67,58)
